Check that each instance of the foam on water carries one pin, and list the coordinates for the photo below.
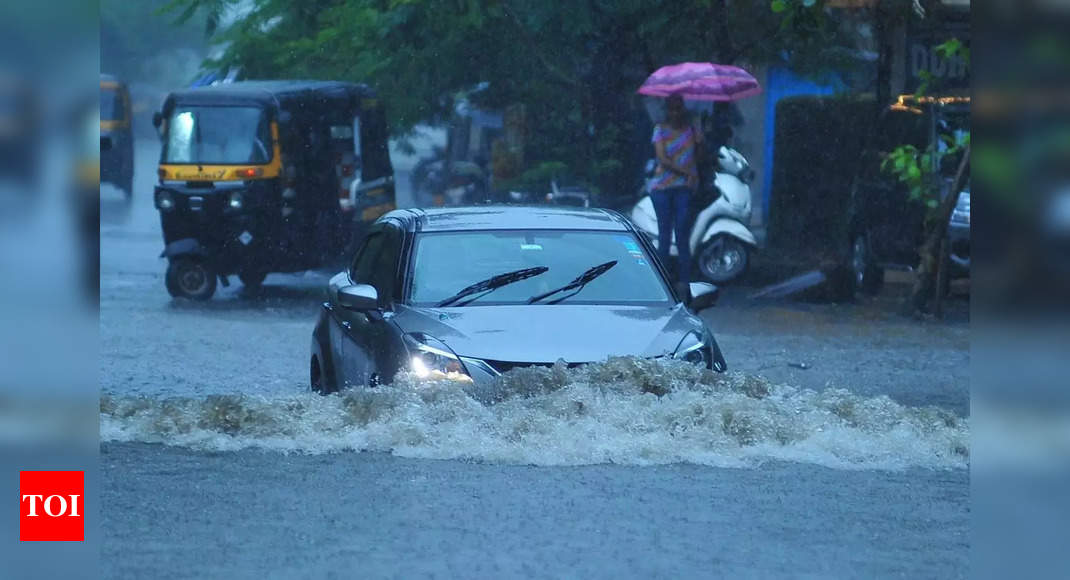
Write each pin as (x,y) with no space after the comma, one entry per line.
(624,411)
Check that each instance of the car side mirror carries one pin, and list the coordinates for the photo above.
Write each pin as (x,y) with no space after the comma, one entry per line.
(105,143)
(157,119)
(703,295)
(359,297)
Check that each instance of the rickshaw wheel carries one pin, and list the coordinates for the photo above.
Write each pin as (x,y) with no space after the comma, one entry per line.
(252,279)
(190,278)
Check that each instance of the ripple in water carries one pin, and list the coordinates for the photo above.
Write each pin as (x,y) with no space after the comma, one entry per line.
(624,411)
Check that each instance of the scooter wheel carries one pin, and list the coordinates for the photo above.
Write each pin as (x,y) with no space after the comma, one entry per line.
(723,259)
(190,278)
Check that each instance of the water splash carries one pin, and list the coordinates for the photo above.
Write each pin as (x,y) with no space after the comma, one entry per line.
(624,411)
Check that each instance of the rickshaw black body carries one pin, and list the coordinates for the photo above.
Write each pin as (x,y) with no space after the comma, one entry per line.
(293,212)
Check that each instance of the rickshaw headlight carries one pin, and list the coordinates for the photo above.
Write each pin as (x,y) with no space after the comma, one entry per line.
(235,200)
(164,201)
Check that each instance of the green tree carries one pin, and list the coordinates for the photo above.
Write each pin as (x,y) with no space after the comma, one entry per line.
(574,67)
(133,32)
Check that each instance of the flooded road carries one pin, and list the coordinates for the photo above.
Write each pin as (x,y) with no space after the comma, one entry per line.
(171,512)
(839,446)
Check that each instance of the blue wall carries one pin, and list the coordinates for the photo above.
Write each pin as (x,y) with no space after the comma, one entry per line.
(780,83)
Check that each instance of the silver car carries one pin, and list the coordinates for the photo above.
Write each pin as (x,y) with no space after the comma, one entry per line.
(470,293)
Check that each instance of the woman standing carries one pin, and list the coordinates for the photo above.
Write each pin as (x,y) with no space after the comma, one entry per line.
(676,143)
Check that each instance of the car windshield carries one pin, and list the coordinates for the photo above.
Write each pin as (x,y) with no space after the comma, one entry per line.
(221,135)
(111,104)
(446,262)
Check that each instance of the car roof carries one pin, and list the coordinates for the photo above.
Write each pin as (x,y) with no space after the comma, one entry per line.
(507,217)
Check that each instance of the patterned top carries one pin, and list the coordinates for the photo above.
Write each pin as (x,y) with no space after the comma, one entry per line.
(680,148)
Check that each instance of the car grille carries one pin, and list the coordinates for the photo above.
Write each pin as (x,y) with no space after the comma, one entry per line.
(506,366)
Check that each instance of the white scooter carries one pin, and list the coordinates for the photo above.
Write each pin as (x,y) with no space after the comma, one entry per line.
(720,240)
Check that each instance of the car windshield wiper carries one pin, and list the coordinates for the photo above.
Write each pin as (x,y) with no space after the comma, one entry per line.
(492,283)
(575,285)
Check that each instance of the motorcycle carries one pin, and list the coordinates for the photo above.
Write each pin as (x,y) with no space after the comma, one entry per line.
(567,195)
(720,241)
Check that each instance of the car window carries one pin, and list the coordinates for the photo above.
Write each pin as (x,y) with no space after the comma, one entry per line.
(385,269)
(363,269)
(446,262)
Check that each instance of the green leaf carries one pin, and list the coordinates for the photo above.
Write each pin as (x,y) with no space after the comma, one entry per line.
(778,6)
(950,48)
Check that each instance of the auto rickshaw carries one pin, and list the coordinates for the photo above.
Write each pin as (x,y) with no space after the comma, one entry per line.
(117,160)
(267,176)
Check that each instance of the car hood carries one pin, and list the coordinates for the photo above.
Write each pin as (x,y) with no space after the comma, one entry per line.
(546,333)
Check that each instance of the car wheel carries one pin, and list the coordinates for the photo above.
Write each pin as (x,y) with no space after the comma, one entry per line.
(318,379)
(191,278)
(866,276)
(723,259)
(252,279)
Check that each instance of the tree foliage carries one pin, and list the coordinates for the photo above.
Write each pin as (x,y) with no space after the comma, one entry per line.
(575,67)
(917,168)
(132,32)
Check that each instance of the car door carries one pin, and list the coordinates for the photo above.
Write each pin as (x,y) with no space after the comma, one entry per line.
(367,342)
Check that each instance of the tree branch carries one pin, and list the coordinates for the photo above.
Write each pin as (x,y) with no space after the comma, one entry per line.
(929,265)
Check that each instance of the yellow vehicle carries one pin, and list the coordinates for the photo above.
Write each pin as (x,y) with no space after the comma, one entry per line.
(267,176)
(116,136)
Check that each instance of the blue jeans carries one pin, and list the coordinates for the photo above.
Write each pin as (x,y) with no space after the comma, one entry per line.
(673,208)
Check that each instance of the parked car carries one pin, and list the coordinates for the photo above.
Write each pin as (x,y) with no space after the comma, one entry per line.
(886,227)
(466,183)
(467,294)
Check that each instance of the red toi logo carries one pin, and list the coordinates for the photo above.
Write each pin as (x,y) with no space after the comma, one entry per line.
(51,507)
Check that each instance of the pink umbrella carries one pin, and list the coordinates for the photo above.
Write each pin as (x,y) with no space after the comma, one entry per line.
(701,81)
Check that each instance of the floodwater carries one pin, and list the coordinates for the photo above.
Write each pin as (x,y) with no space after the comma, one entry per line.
(838,446)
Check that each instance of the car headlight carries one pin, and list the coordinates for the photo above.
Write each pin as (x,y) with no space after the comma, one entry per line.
(164,201)
(430,358)
(235,200)
(693,349)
